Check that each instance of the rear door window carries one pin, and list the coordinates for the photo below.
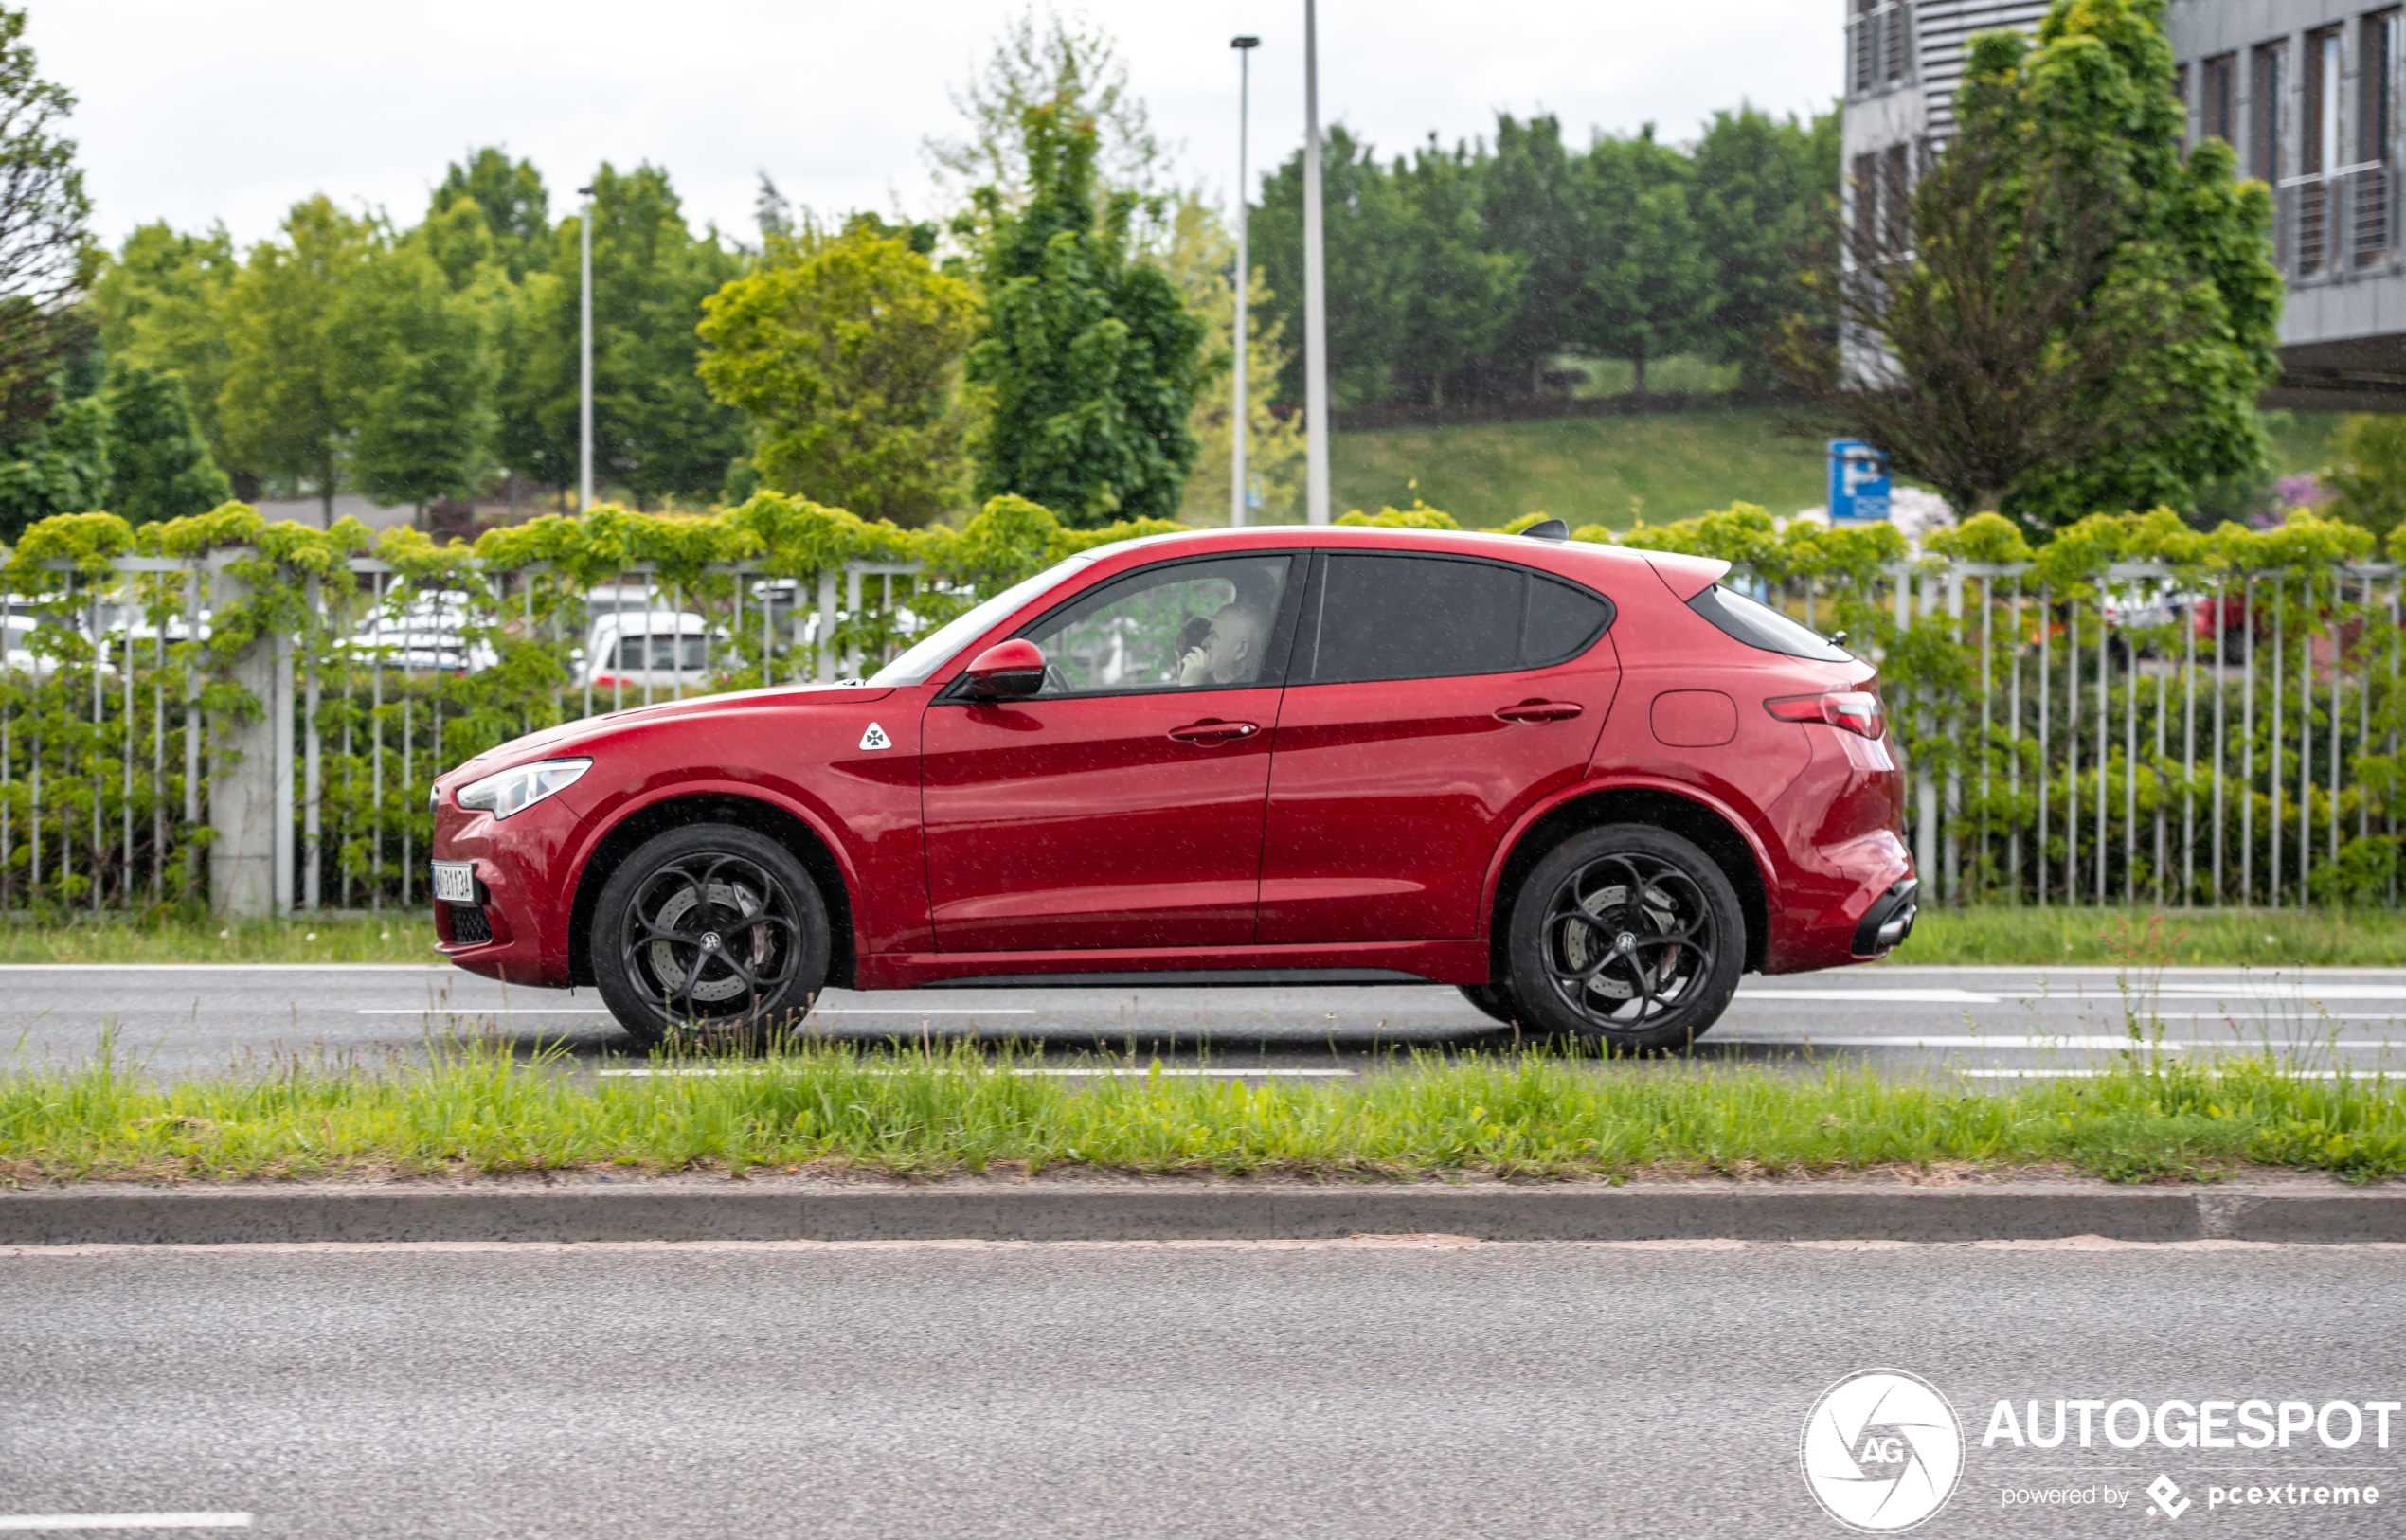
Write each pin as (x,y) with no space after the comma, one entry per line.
(1399,617)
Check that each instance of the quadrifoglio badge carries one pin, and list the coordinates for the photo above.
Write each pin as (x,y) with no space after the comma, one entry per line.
(1884,1452)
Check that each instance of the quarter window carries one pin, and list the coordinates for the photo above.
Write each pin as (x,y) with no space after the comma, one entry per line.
(1427,618)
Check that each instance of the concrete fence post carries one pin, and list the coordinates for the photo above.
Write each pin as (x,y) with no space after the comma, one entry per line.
(243,806)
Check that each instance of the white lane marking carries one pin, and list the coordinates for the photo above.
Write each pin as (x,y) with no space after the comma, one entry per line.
(596,1010)
(1895,996)
(227,967)
(125,1521)
(2092,1074)
(1116,1074)
(2030,1039)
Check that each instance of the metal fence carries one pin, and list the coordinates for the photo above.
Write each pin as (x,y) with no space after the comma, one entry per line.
(2224,741)
(122,731)
(2142,737)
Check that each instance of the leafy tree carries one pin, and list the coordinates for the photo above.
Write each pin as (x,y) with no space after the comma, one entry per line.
(159,465)
(1072,66)
(46,259)
(2368,471)
(511,196)
(2074,316)
(1535,205)
(656,432)
(1457,294)
(1652,283)
(285,409)
(1200,258)
(847,352)
(1762,197)
(1365,226)
(61,468)
(1089,360)
(416,371)
(160,302)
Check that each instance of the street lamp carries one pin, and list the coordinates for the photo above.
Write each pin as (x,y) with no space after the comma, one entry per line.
(1240,411)
(584,355)
(1314,287)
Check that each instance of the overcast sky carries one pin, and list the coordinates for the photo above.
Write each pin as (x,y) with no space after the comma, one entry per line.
(195,111)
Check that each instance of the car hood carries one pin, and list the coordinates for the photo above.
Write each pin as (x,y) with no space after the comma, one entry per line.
(590,733)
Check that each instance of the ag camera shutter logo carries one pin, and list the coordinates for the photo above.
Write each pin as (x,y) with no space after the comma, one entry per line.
(1882,1451)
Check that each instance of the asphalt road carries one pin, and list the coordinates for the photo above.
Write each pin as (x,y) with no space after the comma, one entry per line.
(1378,1389)
(1974,1023)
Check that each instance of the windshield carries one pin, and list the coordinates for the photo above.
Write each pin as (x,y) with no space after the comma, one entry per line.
(936,647)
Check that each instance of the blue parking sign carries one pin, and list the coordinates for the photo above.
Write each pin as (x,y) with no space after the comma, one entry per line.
(1857,482)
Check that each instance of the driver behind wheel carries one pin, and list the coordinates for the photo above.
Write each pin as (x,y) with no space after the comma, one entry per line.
(1223,650)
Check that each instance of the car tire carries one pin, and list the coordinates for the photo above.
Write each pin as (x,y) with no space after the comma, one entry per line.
(1493,1000)
(709,933)
(1626,935)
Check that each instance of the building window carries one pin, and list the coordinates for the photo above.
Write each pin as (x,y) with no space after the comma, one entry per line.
(2375,194)
(1879,45)
(2318,153)
(1896,197)
(2267,126)
(2218,99)
(1866,199)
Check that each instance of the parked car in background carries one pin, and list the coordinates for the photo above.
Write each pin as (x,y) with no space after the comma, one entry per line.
(433,632)
(1583,783)
(669,651)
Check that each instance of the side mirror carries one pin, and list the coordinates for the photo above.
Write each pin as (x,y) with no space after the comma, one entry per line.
(1007,671)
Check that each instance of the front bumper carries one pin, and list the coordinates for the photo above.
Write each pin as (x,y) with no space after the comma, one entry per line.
(517,931)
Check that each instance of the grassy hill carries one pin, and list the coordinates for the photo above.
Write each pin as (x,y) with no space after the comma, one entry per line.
(1600,470)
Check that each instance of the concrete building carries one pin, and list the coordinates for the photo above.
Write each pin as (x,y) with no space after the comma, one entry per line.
(2304,90)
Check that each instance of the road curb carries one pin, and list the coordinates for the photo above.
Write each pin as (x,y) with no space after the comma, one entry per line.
(1644,1211)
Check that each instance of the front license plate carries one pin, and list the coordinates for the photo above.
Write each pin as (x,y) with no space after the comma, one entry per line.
(456,882)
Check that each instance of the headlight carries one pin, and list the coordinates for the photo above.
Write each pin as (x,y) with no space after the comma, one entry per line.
(514,790)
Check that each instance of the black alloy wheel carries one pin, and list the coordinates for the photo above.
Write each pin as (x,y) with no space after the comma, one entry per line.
(1627,935)
(713,932)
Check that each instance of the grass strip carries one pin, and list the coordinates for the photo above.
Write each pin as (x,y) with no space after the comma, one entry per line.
(1532,1114)
(175,936)
(2151,938)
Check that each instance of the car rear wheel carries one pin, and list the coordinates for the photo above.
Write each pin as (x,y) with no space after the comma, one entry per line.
(1627,935)
(713,932)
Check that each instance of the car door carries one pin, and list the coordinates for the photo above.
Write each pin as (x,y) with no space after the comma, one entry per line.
(1430,700)
(1122,807)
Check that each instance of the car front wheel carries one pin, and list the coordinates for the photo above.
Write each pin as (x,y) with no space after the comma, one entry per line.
(1629,935)
(711,930)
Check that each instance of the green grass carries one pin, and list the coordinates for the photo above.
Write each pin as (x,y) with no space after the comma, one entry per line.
(2301,441)
(400,936)
(1585,469)
(1523,1115)
(2254,938)
(1676,464)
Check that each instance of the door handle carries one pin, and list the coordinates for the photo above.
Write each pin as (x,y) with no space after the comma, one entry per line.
(1539,711)
(1214,732)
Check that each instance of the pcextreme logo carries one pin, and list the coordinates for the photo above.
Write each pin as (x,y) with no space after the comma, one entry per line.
(1882,1451)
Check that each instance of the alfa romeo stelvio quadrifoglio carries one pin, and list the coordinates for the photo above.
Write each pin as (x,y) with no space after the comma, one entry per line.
(1589,786)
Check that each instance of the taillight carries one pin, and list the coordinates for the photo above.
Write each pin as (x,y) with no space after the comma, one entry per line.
(1857,710)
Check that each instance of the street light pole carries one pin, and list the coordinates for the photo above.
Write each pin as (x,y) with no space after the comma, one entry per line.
(1240,404)
(1314,287)
(584,355)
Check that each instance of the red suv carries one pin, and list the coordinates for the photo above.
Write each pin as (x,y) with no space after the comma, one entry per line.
(1587,785)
